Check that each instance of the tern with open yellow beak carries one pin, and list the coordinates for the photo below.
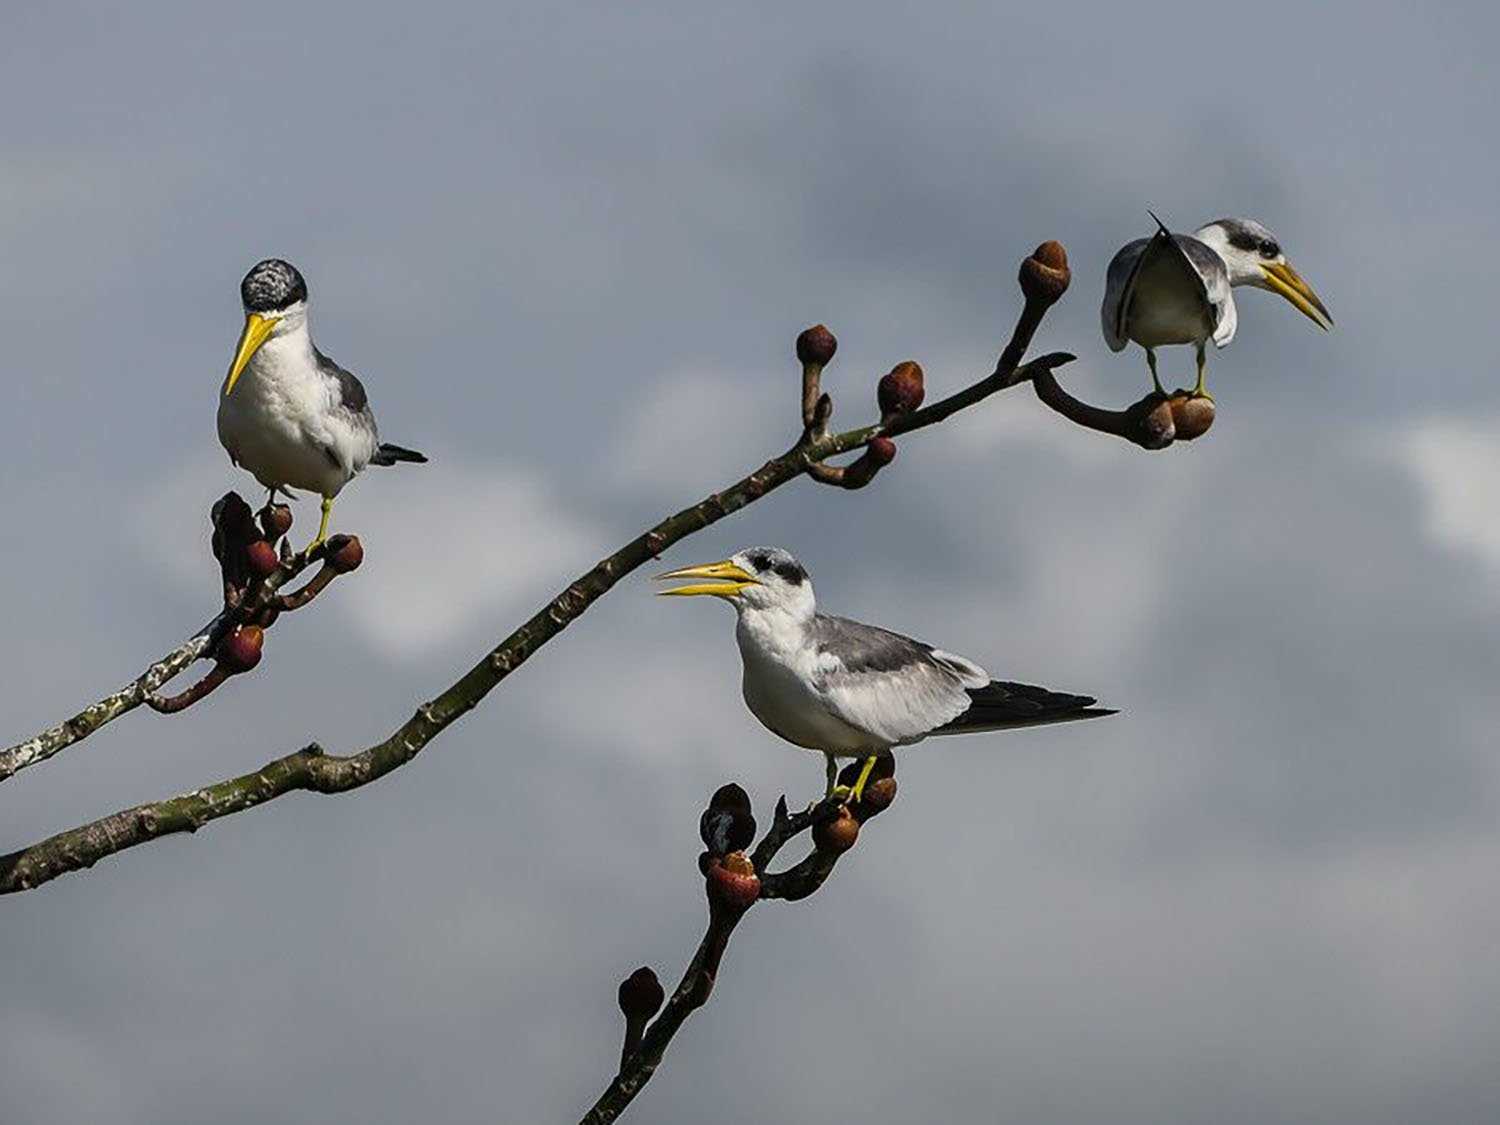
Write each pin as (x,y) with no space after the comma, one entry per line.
(849,690)
(1177,288)
(288,413)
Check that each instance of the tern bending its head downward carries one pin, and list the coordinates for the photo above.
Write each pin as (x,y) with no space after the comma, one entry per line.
(288,413)
(850,690)
(1176,288)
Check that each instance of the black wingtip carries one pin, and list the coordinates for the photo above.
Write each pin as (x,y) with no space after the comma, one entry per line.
(389,454)
(1160,226)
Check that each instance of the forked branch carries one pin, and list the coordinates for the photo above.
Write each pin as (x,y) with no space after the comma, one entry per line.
(733,883)
(1044,278)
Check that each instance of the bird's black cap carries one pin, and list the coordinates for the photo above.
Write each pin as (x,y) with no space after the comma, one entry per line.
(271,286)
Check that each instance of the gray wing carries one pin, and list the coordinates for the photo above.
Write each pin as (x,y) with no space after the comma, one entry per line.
(1213,275)
(897,689)
(352,395)
(1119,284)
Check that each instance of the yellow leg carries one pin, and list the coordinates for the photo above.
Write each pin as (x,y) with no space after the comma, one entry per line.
(1151,363)
(322,524)
(864,776)
(1198,391)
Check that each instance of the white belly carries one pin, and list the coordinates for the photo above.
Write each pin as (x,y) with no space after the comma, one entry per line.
(786,706)
(285,427)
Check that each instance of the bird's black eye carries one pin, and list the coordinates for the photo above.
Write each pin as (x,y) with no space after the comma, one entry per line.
(790,572)
(1269,249)
(760,562)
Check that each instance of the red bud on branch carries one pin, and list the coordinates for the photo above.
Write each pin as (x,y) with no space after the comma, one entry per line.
(1192,415)
(900,390)
(732,883)
(816,347)
(240,651)
(1045,275)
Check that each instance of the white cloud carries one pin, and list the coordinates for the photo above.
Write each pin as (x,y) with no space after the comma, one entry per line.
(697,424)
(1457,463)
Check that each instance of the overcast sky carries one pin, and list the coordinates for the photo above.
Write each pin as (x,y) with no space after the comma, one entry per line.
(568,249)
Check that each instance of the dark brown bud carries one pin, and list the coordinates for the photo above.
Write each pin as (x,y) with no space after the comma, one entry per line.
(240,650)
(275,521)
(343,553)
(860,472)
(815,346)
(881,773)
(900,390)
(838,834)
(732,882)
(641,995)
(1149,422)
(1045,275)
(1192,415)
(876,798)
(261,558)
(727,825)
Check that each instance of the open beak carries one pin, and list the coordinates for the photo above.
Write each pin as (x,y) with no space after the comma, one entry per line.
(1281,278)
(727,580)
(257,330)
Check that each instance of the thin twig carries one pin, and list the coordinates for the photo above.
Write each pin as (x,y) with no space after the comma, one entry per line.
(641,1059)
(40,747)
(259,598)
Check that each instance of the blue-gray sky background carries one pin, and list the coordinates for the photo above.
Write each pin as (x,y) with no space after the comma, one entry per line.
(568,248)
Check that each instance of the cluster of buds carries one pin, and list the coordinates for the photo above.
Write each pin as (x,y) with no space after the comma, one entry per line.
(254,560)
(1157,421)
(899,392)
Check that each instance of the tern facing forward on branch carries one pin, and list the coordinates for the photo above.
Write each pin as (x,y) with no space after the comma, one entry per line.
(1176,288)
(289,414)
(850,690)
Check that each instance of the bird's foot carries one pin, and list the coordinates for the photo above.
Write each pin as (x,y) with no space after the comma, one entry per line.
(857,793)
(322,535)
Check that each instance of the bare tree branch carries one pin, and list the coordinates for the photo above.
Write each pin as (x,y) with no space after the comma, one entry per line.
(1153,422)
(733,883)
(252,574)
(1043,277)
(40,747)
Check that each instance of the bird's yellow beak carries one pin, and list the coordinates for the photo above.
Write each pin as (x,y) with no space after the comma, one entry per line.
(257,329)
(1281,278)
(728,580)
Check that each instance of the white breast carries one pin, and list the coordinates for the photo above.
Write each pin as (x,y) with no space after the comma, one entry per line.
(779,687)
(282,421)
